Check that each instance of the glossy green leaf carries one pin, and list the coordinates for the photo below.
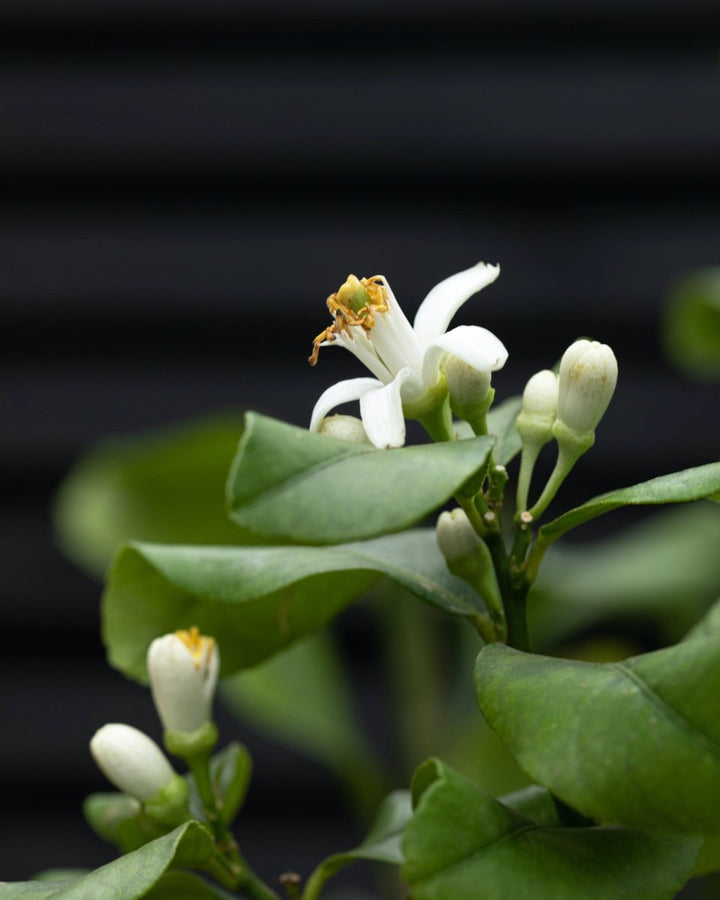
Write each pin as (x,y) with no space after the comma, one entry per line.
(691,326)
(462,844)
(678,487)
(636,742)
(289,483)
(257,600)
(165,486)
(382,843)
(187,886)
(665,568)
(132,876)
(501,423)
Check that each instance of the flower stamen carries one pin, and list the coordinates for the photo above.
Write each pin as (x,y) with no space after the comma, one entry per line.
(353,305)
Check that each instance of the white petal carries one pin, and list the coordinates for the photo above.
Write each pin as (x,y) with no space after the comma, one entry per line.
(342,392)
(446,298)
(382,413)
(476,346)
(360,345)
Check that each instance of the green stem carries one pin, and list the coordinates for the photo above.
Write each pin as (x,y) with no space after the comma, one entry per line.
(438,422)
(565,461)
(530,453)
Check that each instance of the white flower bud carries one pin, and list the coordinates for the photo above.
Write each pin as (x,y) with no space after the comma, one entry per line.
(466,384)
(588,375)
(131,760)
(345,428)
(539,408)
(183,669)
(455,535)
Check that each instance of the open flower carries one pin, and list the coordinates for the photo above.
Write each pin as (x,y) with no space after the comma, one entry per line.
(405,359)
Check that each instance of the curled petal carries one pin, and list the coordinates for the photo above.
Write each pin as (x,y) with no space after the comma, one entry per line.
(446,298)
(382,413)
(342,392)
(476,346)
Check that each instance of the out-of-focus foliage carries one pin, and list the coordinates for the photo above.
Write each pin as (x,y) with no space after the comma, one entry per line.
(691,325)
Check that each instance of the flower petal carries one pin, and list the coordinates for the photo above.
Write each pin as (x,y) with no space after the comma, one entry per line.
(382,413)
(476,346)
(446,298)
(341,392)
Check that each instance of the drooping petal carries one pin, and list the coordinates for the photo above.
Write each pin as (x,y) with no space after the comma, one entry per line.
(446,298)
(382,413)
(342,392)
(476,346)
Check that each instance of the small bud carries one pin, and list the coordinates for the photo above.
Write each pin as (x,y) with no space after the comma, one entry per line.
(131,760)
(183,669)
(588,375)
(455,535)
(344,428)
(466,384)
(539,408)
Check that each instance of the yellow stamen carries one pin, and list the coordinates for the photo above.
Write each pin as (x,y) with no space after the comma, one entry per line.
(200,646)
(354,304)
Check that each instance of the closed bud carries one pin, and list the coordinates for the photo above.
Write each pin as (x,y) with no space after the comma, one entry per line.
(588,375)
(456,537)
(467,385)
(183,669)
(131,761)
(344,428)
(539,408)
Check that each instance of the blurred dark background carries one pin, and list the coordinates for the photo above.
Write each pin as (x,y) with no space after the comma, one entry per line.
(184,184)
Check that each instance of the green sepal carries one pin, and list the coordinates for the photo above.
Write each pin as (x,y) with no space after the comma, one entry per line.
(475,414)
(120,820)
(169,806)
(191,744)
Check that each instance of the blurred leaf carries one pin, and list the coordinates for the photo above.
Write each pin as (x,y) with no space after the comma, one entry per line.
(290,483)
(301,697)
(132,876)
(691,326)
(501,423)
(664,568)
(118,819)
(167,486)
(257,600)
(61,874)
(678,487)
(382,843)
(461,840)
(636,742)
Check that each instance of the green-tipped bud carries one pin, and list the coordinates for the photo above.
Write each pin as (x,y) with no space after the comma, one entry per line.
(344,428)
(131,760)
(539,408)
(588,375)
(455,535)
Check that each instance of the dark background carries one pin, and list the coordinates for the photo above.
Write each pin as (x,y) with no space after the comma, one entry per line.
(184,184)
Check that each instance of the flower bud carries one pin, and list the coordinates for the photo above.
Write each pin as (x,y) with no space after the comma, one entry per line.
(467,385)
(131,760)
(183,669)
(344,428)
(588,375)
(539,408)
(455,535)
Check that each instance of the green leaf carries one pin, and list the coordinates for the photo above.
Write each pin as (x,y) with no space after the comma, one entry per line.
(691,326)
(382,843)
(132,876)
(461,841)
(664,568)
(257,600)
(230,772)
(678,487)
(187,886)
(636,742)
(289,483)
(166,486)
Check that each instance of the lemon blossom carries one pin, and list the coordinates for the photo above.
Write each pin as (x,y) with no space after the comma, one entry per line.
(183,669)
(131,760)
(405,359)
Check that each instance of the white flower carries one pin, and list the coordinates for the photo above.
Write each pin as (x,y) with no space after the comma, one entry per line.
(131,760)
(588,375)
(456,537)
(405,359)
(183,669)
